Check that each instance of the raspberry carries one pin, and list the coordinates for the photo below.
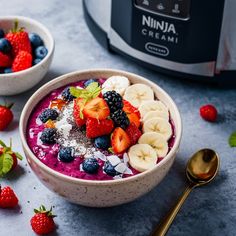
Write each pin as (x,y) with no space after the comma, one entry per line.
(208,112)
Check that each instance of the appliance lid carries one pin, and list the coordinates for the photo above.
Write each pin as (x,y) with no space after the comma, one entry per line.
(226,59)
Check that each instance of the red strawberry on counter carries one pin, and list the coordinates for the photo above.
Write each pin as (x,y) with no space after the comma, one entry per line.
(120,140)
(22,61)
(8,158)
(5,60)
(42,222)
(96,108)
(19,40)
(8,198)
(78,113)
(96,128)
(6,116)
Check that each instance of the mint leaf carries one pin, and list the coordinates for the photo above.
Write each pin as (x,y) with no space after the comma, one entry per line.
(7,164)
(75,91)
(93,86)
(91,91)
(232,139)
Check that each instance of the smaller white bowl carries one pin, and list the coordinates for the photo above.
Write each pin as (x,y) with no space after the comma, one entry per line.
(18,82)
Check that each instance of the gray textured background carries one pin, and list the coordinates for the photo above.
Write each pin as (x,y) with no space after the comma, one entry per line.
(209,210)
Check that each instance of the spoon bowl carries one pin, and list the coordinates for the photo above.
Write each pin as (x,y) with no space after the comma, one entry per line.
(202,167)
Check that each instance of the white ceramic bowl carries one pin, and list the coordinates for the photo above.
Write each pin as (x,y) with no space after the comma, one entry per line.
(18,82)
(99,193)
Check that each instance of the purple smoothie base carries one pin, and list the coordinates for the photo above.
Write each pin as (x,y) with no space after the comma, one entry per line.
(48,154)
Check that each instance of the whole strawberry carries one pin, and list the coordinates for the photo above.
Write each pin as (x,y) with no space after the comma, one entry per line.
(8,198)
(6,116)
(8,158)
(22,61)
(208,112)
(5,60)
(19,40)
(42,222)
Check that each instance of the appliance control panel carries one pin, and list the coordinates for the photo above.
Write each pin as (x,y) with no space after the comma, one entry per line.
(171,8)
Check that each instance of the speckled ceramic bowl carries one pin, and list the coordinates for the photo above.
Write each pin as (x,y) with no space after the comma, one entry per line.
(18,82)
(99,193)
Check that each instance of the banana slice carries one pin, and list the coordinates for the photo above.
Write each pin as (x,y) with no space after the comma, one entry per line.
(117,83)
(158,125)
(156,105)
(142,157)
(156,141)
(155,114)
(138,93)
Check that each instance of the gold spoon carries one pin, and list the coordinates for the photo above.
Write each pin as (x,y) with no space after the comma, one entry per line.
(201,169)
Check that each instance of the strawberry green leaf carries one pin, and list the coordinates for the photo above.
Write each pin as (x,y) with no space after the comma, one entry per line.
(2,143)
(1,163)
(7,164)
(232,139)
(18,155)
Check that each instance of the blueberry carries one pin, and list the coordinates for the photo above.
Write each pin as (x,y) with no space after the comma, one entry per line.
(35,40)
(67,96)
(36,61)
(48,114)
(48,136)
(1,33)
(109,169)
(90,165)
(5,45)
(40,52)
(88,82)
(66,154)
(7,70)
(102,142)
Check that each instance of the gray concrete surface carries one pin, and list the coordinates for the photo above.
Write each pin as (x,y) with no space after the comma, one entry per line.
(209,211)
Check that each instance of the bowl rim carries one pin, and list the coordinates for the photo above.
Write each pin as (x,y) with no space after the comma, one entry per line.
(39,25)
(70,179)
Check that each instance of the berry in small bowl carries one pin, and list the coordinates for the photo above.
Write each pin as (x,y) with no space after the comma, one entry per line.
(26,51)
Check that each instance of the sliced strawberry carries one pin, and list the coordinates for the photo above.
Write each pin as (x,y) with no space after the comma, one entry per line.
(129,108)
(132,113)
(96,108)
(78,114)
(120,140)
(133,132)
(95,128)
(133,118)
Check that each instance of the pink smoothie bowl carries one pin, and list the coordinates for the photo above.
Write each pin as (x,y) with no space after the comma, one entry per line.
(94,193)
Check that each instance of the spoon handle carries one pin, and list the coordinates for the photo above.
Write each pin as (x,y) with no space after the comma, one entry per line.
(163,227)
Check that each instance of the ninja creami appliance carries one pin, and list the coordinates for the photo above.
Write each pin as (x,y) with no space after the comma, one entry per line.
(188,38)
